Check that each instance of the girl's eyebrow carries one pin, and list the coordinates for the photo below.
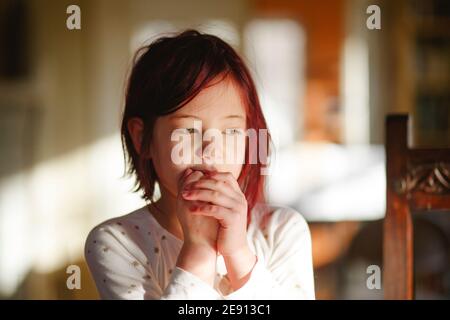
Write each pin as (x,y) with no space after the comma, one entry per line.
(182,116)
(232,116)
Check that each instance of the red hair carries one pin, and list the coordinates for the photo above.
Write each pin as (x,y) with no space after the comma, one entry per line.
(165,76)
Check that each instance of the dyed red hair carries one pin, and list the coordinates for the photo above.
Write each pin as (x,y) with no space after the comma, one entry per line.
(169,73)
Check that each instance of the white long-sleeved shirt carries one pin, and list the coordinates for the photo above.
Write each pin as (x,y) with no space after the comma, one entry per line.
(134,257)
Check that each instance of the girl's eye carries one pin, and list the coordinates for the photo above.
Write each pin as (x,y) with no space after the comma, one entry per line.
(233,131)
(190,130)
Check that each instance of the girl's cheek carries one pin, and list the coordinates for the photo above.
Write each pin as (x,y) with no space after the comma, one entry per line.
(234,155)
(166,169)
(234,152)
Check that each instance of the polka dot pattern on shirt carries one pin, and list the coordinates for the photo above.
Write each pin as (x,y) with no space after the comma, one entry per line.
(141,245)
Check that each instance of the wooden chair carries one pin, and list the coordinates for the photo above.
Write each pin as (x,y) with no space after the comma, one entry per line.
(418,180)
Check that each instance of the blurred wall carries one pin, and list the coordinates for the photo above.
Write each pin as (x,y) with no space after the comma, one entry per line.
(63,118)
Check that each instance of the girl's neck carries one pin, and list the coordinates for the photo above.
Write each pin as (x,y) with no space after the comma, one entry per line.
(165,213)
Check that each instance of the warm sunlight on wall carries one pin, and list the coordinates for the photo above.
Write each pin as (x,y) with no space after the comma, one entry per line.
(48,210)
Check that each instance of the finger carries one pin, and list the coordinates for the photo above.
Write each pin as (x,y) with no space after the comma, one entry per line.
(228,178)
(213,184)
(193,204)
(222,214)
(191,177)
(194,176)
(215,197)
(183,177)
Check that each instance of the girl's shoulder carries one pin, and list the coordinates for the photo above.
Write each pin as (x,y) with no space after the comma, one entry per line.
(278,218)
(121,230)
(128,221)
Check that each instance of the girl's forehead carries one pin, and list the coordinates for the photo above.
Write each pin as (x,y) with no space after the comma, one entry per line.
(217,100)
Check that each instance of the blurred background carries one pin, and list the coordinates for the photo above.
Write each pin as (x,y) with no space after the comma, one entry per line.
(326,83)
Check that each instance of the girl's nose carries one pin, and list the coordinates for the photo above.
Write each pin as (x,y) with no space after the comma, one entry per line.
(212,151)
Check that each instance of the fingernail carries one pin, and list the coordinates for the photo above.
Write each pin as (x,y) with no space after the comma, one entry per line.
(184,174)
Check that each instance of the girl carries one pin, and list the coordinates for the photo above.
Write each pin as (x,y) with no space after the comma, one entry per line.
(210,235)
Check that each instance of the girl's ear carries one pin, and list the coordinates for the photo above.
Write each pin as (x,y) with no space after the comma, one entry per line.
(136,129)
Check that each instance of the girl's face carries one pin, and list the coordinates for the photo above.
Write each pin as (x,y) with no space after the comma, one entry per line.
(216,117)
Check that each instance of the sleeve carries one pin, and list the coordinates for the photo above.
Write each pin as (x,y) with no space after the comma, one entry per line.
(118,274)
(288,272)
(185,285)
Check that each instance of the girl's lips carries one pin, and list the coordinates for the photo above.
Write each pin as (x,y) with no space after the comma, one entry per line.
(204,169)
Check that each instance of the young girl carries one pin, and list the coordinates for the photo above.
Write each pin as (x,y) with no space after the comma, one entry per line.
(210,235)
